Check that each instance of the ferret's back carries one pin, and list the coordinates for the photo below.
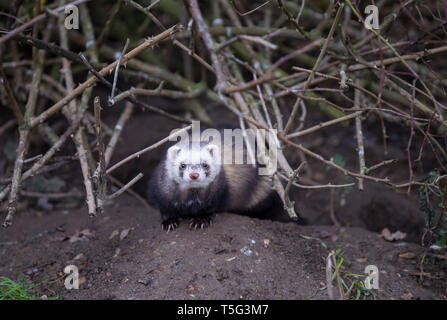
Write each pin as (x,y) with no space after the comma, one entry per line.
(247,189)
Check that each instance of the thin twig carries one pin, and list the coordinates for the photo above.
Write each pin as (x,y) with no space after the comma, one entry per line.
(115,77)
(125,115)
(288,203)
(152,147)
(291,120)
(129,97)
(12,100)
(37,19)
(359,136)
(124,188)
(208,40)
(24,129)
(105,71)
(99,176)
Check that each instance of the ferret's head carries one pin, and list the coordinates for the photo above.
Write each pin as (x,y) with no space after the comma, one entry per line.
(193,166)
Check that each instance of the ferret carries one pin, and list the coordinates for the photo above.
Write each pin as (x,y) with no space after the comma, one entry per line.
(193,182)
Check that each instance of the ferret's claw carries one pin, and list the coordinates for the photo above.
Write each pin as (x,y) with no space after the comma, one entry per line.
(170,224)
(200,223)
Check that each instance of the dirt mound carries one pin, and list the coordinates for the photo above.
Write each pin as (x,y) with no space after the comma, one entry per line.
(124,254)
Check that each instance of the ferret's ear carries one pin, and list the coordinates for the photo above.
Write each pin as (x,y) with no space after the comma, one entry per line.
(173,153)
(213,150)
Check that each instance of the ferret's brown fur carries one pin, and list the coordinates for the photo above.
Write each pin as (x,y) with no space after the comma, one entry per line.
(238,188)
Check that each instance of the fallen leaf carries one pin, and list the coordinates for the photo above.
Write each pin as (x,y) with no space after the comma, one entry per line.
(74,238)
(124,234)
(191,289)
(266,242)
(114,234)
(82,280)
(387,235)
(80,235)
(407,255)
(79,256)
(145,282)
(87,233)
(407,296)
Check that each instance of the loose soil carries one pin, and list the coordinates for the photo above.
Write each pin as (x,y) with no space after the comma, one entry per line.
(124,254)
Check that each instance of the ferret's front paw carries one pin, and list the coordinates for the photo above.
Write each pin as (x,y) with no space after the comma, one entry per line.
(170,224)
(201,222)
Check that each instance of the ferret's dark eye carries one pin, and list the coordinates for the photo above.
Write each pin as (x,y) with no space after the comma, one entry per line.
(182,166)
(205,165)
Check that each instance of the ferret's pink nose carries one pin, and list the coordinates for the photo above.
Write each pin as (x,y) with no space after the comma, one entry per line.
(194,176)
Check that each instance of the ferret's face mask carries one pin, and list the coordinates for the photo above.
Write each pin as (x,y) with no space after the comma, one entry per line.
(193,167)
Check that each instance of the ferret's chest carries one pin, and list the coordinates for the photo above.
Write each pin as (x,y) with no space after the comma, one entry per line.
(190,201)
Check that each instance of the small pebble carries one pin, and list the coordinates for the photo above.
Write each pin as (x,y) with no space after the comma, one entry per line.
(245,250)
